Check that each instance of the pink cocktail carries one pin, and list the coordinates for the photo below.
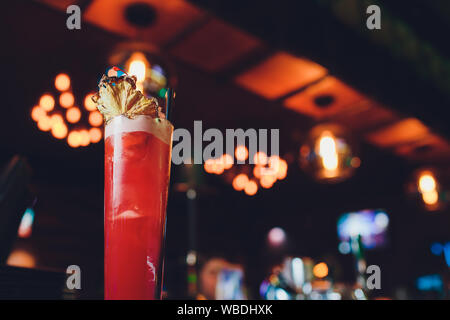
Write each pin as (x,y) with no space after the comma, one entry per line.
(137,171)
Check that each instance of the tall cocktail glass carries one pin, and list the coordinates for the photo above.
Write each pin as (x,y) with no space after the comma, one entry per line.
(137,171)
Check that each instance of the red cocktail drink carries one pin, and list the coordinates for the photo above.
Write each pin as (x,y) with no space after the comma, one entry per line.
(137,170)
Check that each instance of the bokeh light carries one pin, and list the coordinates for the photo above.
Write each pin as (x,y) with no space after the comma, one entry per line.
(427,182)
(267,180)
(428,188)
(37,112)
(209,165)
(58,122)
(381,220)
(21,258)
(95,134)
(264,173)
(344,247)
(59,130)
(62,82)
(66,99)
(44,123)
(227,161)
(355,162)
(218,166)
(327,150)
(281,294)
(328,154)
(273,162)
(241,153)
(436,248)
(56,118)
(73,115)
(47,102)
(320,270)
(95,118)
(251,188)
(430,198)
(257,171)
(85,139)
(260,158)
(26,224)
(88,103)
(282,169)
(276,236)
(74,139)
(240,181)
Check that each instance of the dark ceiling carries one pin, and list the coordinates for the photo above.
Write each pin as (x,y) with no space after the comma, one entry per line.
(333,33)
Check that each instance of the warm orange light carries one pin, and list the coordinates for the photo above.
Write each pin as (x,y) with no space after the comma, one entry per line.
(277,165)
(274,162)
(260,158)
(251,188)
(241,153)
(257,170)
(95,118)
(74,139)
(320,270)
(427,186)
(427,182)
(95,134)
(137,66)
(44,123)
(62,82)
(85,138)
(73,115)
(56,118)
(404,131)
(280,74)
(267,180)
(430,197)
(88,103)
(59,130)
(327,150)
(47,102)
(227,161)
(21,258)
(37,112)
(217,166)
(209,165)
(66,99)
(282,169)
(240,181)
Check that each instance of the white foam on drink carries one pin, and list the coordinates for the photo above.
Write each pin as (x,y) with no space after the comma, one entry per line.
(161,128)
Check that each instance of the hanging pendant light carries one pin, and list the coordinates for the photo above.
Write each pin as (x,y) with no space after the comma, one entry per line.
(153,72)
(329,154)
(427,187)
